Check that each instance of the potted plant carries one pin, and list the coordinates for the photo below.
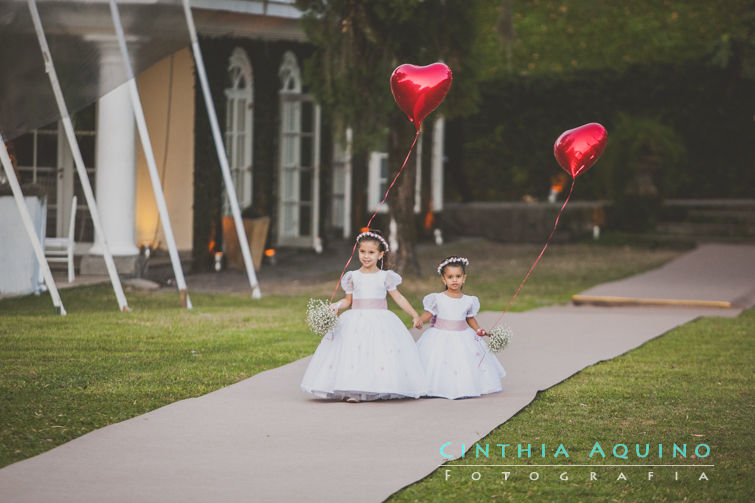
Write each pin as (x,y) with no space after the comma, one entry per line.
(256,228)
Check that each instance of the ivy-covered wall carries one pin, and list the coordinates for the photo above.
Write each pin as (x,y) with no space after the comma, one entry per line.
(266,58)
(505,151)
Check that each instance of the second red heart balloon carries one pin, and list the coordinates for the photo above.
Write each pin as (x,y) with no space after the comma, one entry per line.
(577,149)
(418,90)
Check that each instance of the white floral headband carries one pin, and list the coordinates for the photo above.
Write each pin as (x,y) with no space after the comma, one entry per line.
(453,260)
(376,236)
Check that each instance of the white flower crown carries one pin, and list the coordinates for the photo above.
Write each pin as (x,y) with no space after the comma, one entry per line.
(453,260)
(376,236)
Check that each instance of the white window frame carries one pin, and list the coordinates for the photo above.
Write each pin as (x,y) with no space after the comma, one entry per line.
(377,184)
(66,180)
(341,193)
(35,172)
(290,169)
(239,128)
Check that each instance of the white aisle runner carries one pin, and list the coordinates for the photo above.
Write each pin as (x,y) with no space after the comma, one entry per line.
(264,440)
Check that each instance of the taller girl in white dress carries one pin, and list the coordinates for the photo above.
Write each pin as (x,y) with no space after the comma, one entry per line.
(370,355)
(456,358)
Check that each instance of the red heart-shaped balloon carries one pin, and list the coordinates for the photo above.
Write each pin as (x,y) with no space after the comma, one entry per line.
(577,149)
(418,90)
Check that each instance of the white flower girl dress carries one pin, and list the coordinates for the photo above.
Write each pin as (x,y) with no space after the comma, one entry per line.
(370,355)
(457,362)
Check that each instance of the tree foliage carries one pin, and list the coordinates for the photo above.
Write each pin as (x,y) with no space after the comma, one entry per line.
(561,36)
(359,44)
(507,147)
(525,48)
(687,64)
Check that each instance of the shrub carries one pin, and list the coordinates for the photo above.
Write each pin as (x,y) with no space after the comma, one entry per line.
(642,164)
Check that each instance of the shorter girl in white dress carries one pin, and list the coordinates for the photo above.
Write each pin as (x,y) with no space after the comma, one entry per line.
(457,361)
(370,355)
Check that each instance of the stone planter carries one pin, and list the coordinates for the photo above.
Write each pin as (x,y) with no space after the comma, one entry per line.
(256,232)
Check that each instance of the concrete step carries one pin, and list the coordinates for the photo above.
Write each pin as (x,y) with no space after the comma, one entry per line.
(691,228)
(708,218)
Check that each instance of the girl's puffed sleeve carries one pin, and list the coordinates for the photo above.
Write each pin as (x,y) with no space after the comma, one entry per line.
(392,280)
(474,306)
(347,282)
(430,303)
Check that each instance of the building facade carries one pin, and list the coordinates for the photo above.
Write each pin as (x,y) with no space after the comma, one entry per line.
(285,162)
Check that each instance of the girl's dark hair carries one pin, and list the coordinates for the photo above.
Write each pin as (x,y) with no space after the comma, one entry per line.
(383,263)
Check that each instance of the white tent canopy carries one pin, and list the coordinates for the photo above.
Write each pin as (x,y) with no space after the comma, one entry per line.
(82,35)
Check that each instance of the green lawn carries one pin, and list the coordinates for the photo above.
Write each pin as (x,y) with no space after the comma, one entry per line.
(65,376)
(496,271)
(692,386)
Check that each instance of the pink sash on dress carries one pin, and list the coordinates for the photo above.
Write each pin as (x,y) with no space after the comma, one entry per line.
(369,304)
(451,325)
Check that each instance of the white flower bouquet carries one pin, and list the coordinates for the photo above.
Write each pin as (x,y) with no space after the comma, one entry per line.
(499,338)
(320,318)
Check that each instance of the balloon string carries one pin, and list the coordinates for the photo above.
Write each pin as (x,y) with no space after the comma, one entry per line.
(571,189)
(484,349)
(374,214)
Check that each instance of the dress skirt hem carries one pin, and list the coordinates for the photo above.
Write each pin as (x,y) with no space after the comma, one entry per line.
(362,396)
(459,364)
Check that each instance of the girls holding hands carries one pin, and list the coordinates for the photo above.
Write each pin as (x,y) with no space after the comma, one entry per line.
(370,355)
(456,359)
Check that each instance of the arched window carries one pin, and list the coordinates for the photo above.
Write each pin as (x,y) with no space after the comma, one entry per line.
(290,74)
(299,172)
(239,125)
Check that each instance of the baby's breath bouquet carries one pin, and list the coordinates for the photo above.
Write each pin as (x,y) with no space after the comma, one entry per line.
(320,318)
(499,338)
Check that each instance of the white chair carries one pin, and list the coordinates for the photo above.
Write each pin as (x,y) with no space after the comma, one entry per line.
(61,249)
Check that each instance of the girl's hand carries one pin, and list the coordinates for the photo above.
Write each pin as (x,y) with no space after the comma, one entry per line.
(481,333)
(335,307)
(417,322)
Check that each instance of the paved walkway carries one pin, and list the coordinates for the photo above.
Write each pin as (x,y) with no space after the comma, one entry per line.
(264,440)
(713,273)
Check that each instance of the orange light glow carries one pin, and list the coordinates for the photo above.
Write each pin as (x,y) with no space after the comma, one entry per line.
(364,229)
(429,220)
(211,246)
(558,182)
(270,252)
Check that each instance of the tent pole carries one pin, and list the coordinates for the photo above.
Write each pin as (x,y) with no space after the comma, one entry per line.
(78,161)
(26,219)
(150,157)
(222,156)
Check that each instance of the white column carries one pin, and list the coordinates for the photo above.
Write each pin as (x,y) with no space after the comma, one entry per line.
(418,178)
(437,163)
(347,185)
(116,172)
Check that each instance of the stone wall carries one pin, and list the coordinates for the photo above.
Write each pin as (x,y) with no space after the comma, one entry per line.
(522,222)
